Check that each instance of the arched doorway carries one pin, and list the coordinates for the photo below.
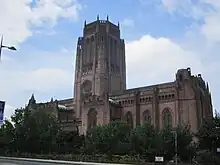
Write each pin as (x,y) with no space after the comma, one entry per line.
(146,117)
(167,118)
(92,118)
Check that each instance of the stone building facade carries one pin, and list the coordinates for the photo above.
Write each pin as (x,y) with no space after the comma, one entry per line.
(61,109)
(101,96)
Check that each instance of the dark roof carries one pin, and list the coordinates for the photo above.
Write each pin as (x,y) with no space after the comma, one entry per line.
(140,88)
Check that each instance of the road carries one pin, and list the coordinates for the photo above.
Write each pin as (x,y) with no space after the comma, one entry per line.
(19,162)
(27,161)
(23,161)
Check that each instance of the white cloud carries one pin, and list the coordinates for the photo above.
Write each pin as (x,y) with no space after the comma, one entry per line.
(51,10)
(172,5)
(45,73)
(8,111)
(186,7)
(18,17)
(210,29)
(206,10)
(39,80)
(152,59)
(19,79)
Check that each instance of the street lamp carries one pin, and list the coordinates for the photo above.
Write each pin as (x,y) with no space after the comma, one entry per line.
(176,145)
(217,138)
(7,47)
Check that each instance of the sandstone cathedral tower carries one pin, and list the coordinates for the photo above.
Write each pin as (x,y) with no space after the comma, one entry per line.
(100,70)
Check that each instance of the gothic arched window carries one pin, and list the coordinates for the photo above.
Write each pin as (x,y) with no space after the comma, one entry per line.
(146,117)
(129,118)
(167,118)
(92,118)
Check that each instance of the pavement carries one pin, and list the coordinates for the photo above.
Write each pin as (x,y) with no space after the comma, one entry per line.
(23,162)
(15,162)
(27,161)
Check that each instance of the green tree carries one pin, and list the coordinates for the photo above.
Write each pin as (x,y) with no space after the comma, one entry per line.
(209,134)
(33,131)
(145,141)
(7,137)
(209,141)
(69,142)
(113,138)
(185,147)
(168,143)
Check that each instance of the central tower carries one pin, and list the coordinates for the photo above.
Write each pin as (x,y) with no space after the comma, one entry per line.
(100,63)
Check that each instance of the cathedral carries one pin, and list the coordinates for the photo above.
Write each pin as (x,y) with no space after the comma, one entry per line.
(101,95)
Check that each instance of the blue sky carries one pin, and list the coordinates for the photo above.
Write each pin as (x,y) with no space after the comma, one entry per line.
(161,37)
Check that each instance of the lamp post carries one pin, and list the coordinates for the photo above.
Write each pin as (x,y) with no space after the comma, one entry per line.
(217,138)
(7,47)
(176,145)
(176,148)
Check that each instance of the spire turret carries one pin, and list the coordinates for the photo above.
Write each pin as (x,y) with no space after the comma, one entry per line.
(32,100)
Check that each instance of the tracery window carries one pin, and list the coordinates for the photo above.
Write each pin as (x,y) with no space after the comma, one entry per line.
(129,118)
(167,118)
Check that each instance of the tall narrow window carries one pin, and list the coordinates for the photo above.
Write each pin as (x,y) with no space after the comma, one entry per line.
(167,118)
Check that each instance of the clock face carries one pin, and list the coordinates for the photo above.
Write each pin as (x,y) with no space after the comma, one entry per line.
(87,86)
